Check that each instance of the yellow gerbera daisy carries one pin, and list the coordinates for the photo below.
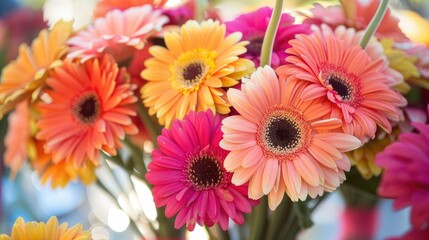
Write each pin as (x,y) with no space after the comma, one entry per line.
(401,62)
(191,72)
(364,157)
(46,231)
(23,77)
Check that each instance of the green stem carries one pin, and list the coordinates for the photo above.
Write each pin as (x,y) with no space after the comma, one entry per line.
(137,158)
(276,222)
(375,22)
(267,44)
(200,6)
(303,213)
(258,220)
(151,124)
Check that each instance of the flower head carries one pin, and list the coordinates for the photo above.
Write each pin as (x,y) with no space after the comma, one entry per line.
(280,143)
(189,178)
(16,139)
(348,79)
(190,74)
(47,231)
(88,111)
(253,25)
(404,179)
(118,33)
(357,14)
(24,77)
(105,6)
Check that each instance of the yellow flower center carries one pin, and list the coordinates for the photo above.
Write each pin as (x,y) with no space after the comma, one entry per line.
(191,70)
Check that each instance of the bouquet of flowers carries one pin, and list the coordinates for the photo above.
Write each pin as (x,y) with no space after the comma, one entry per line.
(242,126)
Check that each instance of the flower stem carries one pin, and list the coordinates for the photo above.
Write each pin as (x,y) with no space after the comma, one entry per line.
(267,44)
(303,213)
(375,22)
(200,6)
(258,220)
(153,127)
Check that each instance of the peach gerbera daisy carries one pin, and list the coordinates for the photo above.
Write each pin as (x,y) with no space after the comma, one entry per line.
(347,79)
(280,143)
(22,78)
(46,231)
(89,111)
(192,71)
(357,14)
(118,33)
(105,6)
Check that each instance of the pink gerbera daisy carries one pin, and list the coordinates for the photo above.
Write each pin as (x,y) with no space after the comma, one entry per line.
(87,110)
(347,79)
(280,143)
(253,25)
(405,177)
(189,178)
(118,33)
(357,14)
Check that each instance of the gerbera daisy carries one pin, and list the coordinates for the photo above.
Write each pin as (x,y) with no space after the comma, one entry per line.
(190,74)
(105,6)
(118,33)
(22,78)
(254,24)
(61,173)
(46,231)
(88,111)
(16,139)
(405,177)
(280,143)
(357,14)
(189,178)
(347,79)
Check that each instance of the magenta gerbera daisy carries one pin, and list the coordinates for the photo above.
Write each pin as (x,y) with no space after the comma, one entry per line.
(254,24)
(280,143)
(346,77)
(189,178)
(118,33)
(405,177)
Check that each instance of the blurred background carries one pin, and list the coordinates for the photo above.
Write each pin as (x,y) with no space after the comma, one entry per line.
(21,20)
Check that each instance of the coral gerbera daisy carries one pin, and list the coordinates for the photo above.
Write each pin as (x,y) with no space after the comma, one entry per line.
(105,6)
(347,78)
(189,178)
(254,24)
(22,78)
(88,111)
(118,33)
(357,14)
(46,231)
(191,72)
(16,139)
(280,143)
(405,176)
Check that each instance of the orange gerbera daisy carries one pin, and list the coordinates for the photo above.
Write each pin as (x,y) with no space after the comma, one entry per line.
(280,143)
(104,6)
(89,111)
(23,77)
(191,73)
(61,173)
(46,231)
(347,79)
(16,140)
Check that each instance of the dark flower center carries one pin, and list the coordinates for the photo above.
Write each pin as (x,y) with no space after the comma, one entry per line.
(87,108)
(192,72)
(340,86)
(282,133)
(255,46)
(205,172)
